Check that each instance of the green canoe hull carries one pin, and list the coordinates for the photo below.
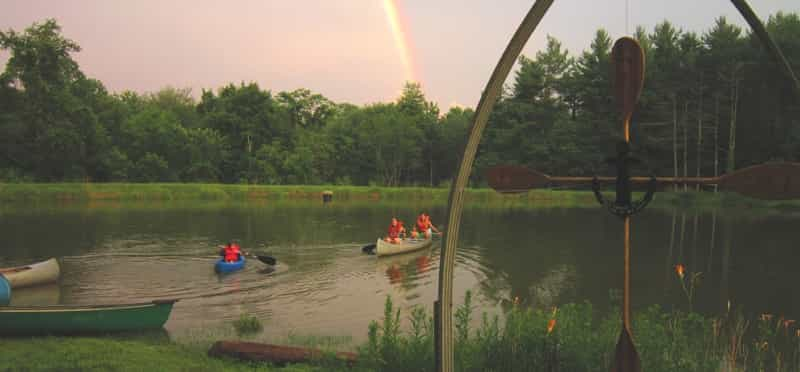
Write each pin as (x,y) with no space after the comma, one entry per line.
(66,319)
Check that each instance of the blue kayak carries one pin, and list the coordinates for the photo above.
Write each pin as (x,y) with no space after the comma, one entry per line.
(5,291)
(228,267)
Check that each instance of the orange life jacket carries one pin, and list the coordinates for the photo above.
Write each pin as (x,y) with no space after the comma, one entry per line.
(394,231)
(421,225)
(232,253)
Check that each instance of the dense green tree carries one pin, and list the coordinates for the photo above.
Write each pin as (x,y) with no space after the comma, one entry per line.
(711,103)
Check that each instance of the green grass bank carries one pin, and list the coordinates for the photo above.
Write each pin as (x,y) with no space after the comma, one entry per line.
(117,354)
(571,337)
(92,192)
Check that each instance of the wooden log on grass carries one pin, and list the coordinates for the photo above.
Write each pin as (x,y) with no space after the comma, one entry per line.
(276,354)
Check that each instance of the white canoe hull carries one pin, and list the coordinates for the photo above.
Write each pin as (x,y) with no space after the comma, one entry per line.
(33,274)
(383,248)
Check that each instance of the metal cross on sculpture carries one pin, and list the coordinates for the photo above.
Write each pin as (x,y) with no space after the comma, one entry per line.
(768,181)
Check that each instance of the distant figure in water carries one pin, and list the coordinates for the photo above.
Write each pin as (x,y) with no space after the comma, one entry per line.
(231,252)
(395,230)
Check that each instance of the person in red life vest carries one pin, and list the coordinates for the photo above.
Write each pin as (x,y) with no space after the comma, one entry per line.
(395,230)
(231,252)
(425,225)
(421,225)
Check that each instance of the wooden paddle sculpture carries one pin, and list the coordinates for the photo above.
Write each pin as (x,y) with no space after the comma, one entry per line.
(765,181)
(769,181)
(628,62)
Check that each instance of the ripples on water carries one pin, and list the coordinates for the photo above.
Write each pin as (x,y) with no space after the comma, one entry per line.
(323,285)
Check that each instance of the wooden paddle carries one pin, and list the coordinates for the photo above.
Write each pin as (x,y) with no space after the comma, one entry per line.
(269,260)
(369,248)
(769,181)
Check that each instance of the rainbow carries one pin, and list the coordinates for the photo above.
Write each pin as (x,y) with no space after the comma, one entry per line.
(400,39)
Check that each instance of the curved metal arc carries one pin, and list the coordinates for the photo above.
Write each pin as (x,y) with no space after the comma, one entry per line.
(444,329)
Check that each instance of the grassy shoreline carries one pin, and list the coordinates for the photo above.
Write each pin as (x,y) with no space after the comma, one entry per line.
(571,337)
(125,192)
(117,354)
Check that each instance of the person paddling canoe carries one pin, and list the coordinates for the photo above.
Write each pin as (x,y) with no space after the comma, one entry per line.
(395,230)
(425,225)
(421,224)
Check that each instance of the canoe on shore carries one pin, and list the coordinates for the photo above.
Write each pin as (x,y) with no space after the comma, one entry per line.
(5,291)
(84,319)
(383,248)
(33,274)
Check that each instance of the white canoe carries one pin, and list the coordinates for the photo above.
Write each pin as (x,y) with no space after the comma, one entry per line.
(33,274)
(383,248)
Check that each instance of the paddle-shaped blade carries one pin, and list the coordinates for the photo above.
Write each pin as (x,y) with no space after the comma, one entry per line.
(626,358)
(770,181)
(369,248)
(269,260)
(515,178)
(627,58)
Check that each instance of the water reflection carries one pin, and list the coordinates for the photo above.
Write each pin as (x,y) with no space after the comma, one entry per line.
(405,270)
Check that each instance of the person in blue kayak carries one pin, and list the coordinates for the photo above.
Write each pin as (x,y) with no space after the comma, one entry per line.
(231,252)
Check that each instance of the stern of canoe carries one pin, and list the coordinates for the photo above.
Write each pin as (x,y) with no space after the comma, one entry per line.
(84,319)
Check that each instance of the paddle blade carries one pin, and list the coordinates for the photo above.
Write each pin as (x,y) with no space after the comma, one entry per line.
(627,59)
(269,260)
(369,248)
(626,358)
(771,181)
(515,179)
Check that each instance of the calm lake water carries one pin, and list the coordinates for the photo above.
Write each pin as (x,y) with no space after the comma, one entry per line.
(324,286)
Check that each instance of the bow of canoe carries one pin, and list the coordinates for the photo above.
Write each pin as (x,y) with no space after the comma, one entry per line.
(33,274)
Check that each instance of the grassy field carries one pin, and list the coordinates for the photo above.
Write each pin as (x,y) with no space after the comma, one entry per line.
(90,192)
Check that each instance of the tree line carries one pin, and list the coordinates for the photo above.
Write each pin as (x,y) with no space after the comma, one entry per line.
(712,103)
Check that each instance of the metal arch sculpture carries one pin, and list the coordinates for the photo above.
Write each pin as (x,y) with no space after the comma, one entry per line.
(443,307)
(443,313)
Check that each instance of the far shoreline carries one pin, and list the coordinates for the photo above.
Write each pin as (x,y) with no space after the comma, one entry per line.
(78,193)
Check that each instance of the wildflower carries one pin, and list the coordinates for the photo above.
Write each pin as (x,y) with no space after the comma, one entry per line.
(550,325)
(788,323)
(679,270)
(516,300)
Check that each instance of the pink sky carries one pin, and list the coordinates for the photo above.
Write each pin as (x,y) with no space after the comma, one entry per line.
(343,49)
